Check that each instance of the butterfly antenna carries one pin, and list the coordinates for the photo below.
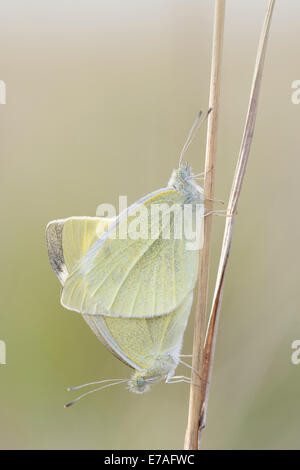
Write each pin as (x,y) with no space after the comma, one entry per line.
(93,391)
(193,132)
(70,389)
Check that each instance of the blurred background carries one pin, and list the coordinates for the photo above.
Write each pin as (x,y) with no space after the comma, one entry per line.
(100,98)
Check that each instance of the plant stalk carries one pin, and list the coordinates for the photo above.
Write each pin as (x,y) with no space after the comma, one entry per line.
(210,341)
(191,438)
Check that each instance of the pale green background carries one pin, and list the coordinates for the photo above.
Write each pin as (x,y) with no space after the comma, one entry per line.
(100,97)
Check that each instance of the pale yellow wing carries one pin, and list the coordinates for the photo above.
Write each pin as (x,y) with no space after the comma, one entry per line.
(54,232)
(132,278)
(136,342)
(79,235)
(67,241)
(143,340)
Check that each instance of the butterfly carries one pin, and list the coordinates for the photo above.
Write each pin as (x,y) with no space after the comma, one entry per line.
(135,292)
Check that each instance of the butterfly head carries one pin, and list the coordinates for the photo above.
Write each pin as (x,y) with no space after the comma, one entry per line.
(138,383)
(183,180)
(163,366)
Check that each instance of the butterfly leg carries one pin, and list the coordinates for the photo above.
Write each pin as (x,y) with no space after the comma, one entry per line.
(181,378)
(178,378)
(221,212)
(190,367)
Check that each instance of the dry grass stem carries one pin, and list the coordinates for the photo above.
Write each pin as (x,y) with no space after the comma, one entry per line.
(199,406)
(191,438)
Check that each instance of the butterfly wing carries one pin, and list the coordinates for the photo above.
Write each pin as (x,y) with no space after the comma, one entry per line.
(67,241)
(143,340)
(134,278)
(54,232)
(134,341)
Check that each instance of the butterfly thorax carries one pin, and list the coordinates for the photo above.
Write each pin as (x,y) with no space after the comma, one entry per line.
(141,380)
(182,180)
